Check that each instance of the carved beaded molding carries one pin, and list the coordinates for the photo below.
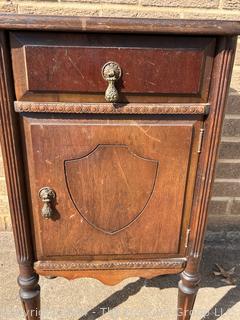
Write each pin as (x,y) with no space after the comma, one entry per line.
(170,263)
(133,108)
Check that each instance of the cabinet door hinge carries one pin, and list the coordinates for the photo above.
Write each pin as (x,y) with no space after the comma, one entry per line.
(200,140)
(187,237)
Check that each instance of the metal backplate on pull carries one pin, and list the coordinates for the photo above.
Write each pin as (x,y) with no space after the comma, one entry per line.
(47,195)
(111,72)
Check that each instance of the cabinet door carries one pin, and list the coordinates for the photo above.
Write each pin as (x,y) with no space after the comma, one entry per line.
(122,185)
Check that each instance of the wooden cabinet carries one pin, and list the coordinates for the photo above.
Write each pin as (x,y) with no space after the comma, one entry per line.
(110,131)
(120,185)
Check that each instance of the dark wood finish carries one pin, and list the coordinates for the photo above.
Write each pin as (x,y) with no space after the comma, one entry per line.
(152,66)
(121,195)
(109,108)
(10,143)
(123,264)
(105,156)
(220,85)
(119,25)
(110,272)
(108,277)
(188,288)
(29,292)
(160,158)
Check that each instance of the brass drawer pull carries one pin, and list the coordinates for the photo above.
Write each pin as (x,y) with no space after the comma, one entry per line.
(111,72)
(47,195)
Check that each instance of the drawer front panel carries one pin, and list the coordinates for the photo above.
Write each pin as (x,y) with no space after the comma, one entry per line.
(120,186)
(58,67)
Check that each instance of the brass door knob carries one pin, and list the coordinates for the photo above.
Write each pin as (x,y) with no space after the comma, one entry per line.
(47,195)
(111,72)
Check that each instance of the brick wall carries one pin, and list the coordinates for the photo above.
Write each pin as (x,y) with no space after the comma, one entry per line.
(226,191)
(226,194)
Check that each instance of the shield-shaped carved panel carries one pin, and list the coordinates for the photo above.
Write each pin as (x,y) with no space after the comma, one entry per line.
(111,186)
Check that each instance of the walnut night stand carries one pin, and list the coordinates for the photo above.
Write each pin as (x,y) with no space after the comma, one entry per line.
(109,131)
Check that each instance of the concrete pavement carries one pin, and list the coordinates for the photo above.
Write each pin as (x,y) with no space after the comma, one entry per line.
(88,299)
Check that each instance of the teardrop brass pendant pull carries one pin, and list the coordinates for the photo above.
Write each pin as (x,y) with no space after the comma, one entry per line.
(47,195)
(111,72)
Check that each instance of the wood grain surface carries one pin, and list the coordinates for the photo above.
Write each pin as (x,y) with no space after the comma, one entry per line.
(111,175)
(70,66)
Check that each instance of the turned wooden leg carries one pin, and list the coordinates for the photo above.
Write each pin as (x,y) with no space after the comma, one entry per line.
(30,294)
(187,291)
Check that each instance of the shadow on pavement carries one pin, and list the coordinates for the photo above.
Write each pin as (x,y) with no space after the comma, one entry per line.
(224,256)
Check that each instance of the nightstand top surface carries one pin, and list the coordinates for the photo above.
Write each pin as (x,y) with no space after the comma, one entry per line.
(125,25)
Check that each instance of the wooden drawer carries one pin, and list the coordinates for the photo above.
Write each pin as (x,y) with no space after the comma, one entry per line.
(121,184)
(68,67)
